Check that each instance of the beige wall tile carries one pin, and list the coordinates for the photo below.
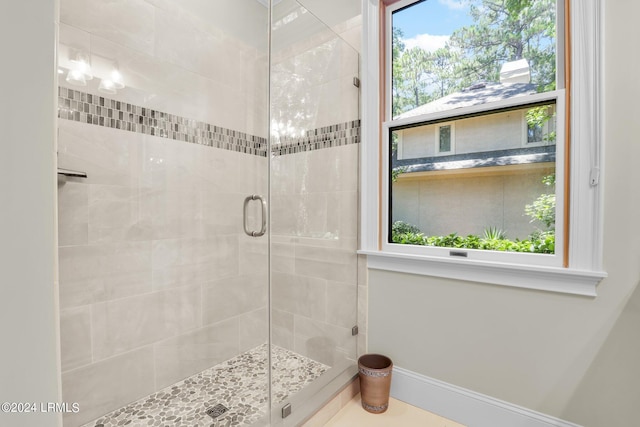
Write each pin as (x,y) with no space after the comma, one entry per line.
(117,20)
(330,264)
(325,343)
(342,304)
(254,329)
(304,296)
(254,254)
(115,214)
(108,156)
(282,257)
(125,324)
(95,273)
(282,328)
(190,353)
(232,297)
(73,215)
(75,337)
(342,214)
(107,385)
(183,262)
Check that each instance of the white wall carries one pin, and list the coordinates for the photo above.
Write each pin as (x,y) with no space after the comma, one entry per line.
(571,357)
(29,369)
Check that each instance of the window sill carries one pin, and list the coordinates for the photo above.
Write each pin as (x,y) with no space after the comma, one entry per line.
(553,279)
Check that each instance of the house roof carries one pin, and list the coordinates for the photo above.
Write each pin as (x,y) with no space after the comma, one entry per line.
(481,93)
(517,156)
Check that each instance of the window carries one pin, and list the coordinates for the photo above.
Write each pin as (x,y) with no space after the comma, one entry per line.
(444,136)
(494,73)
(489,201)
(540,126)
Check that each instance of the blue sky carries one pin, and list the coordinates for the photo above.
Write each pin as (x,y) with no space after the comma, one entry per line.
(430,23)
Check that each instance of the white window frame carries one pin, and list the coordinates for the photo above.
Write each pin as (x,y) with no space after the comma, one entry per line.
(452,147)
(584,270)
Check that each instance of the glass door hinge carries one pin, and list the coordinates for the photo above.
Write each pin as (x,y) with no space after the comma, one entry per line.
(286,410)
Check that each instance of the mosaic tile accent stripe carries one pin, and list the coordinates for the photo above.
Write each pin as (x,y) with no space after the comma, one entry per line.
(240,384)
(101,111)
(316,139)
(97,110)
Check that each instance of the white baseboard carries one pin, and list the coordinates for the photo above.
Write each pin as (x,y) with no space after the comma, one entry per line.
(464,406)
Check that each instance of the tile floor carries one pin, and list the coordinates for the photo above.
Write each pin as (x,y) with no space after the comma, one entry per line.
(398,414)
(239,384)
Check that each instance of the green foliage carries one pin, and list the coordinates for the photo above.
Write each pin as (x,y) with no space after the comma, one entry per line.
(396,171)
(494,233)
(542,243)
(397,47)
(538,117)
(543,208)
(414,65)
(401,227)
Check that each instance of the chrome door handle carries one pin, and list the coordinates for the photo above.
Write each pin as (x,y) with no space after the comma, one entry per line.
(263,227)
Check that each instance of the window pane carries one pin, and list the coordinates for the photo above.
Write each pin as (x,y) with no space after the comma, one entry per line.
(541,130)
(445,138)
(451,54)
(496,192)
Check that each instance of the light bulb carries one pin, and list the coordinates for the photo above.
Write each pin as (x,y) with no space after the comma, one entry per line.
(82,64)
(116,79)
(76,78)
(107,86)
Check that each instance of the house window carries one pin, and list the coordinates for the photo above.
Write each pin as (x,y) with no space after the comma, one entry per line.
(490,201)
(540,126)
(445,138)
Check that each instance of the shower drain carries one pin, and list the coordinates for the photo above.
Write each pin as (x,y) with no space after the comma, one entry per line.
(217,410)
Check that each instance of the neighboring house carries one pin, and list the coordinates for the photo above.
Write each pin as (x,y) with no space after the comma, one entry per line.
(472,173)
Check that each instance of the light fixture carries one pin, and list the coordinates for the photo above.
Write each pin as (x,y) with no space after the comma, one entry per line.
(113,82)
(116,78)
(76,78)
(107,86)
(80,70)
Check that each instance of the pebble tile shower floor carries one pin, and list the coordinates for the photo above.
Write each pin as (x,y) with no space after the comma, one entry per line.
(239,384)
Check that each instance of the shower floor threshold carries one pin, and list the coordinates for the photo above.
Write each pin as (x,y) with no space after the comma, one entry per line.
(240,384)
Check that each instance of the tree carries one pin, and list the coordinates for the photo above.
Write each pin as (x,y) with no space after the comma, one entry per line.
(397,47)
(508,30)
(502,31)
(441,72)
(414,67)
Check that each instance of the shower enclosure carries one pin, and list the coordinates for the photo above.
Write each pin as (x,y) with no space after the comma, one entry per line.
(208,267)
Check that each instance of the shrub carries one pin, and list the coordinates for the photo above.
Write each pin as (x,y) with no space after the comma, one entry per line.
(401,227)
(543,208)
(494,233)
(542,242)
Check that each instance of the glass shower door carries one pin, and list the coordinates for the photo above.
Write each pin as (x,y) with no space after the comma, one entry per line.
(163,296)
(314,209)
